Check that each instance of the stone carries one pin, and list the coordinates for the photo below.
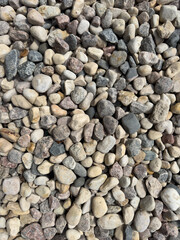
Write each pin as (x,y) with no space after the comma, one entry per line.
(7,13)
(11,64)
(77,151)
(134,44)
(35,18)
(171,198)
(61,46)
(148,58)
(61,132)
(49,12)
(13,226)
(168,12)
(43,191)
(11,186)
(99,206)
(154,187)
(79,121)
(91,68)
(75,65)
(57,149)
(160,111)
(163,85)
(41,83)
(33,231)
(105,108)
(116,171)
(106,144)
(110,221)
(110,124)
(48,220)
(118,58)
(39,33)
(4,28)
(74,215)
(35,56)
(165,30)
(14,156)
(141,221)
(26,70)
(130,123)
(108,36)
(147,203)
(42,147)
(64,175)
(77,8)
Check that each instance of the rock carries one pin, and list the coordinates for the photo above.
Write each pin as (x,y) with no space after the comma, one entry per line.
(95,53)
(105,108)
(165,30)
(79,121)
(147,203)
(9,134)
(14,156)
(108,36)
(130,123)
(74,215)
(116,171)
(33,231)
(4,28)
(11,186)
(39,33)
(75,65)
(110,221)
(5,146)
(154,187)
(141,221)
(13,226)
(4,51)
(106,144)
(118,58)
(26,70)
(77,8)
(35,18)
(134,44)
(171,198)
(48,220)
(43,191)
(49,12)
(173,69)
(41,83)
(99,206)
(83,196)
(160,111)
(7,13)
(64,175)
(35,56)
(110,124)
(78,95)
(163,85)
(84,224)
(77,151)
(148,58)
(168,12)
(42,147)
(61,132)
(176,108)
(91,68)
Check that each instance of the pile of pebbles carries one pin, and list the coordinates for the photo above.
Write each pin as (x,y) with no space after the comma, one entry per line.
(89,119)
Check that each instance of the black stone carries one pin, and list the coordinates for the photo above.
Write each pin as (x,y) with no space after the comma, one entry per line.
(110,124)
(173,40)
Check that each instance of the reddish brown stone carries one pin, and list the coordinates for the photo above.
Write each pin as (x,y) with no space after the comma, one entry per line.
(168,138)
(72,27)
(36,214)
(4,162)
(61,46)
(116,171)
(75,65)
(33,232)
(48,219)
(62,21)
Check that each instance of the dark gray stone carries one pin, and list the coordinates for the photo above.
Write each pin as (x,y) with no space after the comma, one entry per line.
(29,176)
(11,64)
(80,170)
(173,40)
(131,74)
(26,69)
(146,142)
(112,94)
(38,68)
(105,108)
(128,232)
(47,121)
(43,146)
(102,81)
(150,155)
(120,84)
(133,146)
(3,2)
(110,124)
(57,149)
(122,45)
(98,132)
(148,44)
(124,67)
(66,4)
(163,85)
(88,40)
(61,132)
(72,42)
(79,182)
(130,123)
(130,192)
(14,156)
(35,56)
(137,107)
(103,64)
(109,36)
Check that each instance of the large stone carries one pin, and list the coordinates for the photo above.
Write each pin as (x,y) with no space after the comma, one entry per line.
(64,175)
(33,231)
(171,198)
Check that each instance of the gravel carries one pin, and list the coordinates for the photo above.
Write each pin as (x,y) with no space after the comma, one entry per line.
(89,119)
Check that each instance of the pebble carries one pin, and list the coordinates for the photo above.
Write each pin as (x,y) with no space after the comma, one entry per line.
(141,221)
(110,221)
(118,58)
(106,144)
(13,226)
(41,83)
(11,186)
(99,207)
(64,175)
(74,215)
(39,33)
(171,198)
